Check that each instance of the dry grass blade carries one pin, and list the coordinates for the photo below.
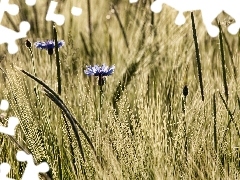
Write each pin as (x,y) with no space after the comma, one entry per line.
(57,60)
(90,31)
(19,145)
(27,121)
(223,62)
(231,56)
(197,55)
(68,115)
(84,44)
(215,122)
(59,104)
(231,119)
(148,130)
(121,26)
(126,79)
(57,100)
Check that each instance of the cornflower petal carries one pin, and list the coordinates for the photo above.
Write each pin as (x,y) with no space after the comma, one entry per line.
(97,70)
(111,70)
(61,43)
(49,44)
(104,68)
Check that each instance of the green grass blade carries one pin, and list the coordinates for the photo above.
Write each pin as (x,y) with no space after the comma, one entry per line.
(198,59)
(57,61)
(62,106)
(231,119)
(121,27)
(215,122)
(225,85)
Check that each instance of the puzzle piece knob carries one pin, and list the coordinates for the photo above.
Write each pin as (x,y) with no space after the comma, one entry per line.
(4,105)
(156,7)
(76,11)
(180,19)
(30,2)
(24,27)
(43,167)
(12,123)
(4,170)
(13,9)
(22,156)
(133,1)
(233,28)
(13,48)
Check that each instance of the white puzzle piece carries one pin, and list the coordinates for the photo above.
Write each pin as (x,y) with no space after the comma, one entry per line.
(12,9)
(8,35)
(31,171)
(133,1)
(30,2)
(76,11)
(10,130)
(209,9)
(4,105)
(12,121)
(4,170)
(59,19)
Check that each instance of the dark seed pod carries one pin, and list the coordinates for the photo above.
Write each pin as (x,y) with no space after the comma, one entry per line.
(50,51)
(185,90)
(101,80)
(28,43)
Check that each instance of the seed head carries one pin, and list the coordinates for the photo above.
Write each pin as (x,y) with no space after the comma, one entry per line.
(28,43)
(50,51)
(185,90)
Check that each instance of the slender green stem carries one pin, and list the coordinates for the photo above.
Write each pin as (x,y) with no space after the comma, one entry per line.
(121,26)
(57,60)
(185,127)
(51,84)
(231,56)
(184,99)
(100,102)
(152,15)
(197,55)
(110,49)
(90,31)
(85,45)
(101,93)
(50,59)
(224,74)
(58,101)
(230,120)
(36,90)
(32,60)
(215,122)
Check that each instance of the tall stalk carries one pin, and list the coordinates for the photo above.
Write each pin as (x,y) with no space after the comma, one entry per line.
(198,58)
(223,62)
(57,60)
(121,27)
(215,123)
(185,93)
(90,31)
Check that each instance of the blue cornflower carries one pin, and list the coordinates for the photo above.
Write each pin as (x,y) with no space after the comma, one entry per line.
(48,45)
(99,71)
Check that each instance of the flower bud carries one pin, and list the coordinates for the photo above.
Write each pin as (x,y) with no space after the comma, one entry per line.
(28,43)
(185,90)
